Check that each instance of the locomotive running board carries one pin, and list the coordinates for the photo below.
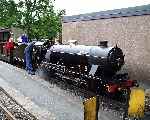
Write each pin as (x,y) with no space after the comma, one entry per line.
(93,70)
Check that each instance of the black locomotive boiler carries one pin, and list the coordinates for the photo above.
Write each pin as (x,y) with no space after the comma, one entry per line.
(92,67)
(107,60)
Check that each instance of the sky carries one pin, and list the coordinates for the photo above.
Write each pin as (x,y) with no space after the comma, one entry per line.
(75,7)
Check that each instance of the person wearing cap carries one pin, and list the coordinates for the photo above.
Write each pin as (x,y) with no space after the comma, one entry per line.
(24,38)
(28,58)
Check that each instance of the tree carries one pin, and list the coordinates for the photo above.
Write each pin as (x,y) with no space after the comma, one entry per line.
(8,13)
(36,17)
(40,19)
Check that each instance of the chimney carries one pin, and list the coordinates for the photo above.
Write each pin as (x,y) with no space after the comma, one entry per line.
(103,44)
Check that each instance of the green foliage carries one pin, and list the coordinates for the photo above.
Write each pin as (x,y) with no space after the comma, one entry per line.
(8,13)
(37,17)
(40,20)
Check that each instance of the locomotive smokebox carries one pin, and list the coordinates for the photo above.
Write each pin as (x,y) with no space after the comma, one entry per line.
(103,44)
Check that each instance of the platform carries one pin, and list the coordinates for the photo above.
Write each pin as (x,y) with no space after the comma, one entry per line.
(44,100)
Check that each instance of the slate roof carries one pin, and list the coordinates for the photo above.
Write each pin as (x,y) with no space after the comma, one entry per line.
(124,12)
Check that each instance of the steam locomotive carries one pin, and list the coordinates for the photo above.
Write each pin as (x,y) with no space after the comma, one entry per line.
(90,67)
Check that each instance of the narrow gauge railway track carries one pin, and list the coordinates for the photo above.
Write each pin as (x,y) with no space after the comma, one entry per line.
(5,114)
(11,110)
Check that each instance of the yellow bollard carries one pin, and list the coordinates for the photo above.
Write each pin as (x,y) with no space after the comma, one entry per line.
(136,103)
(91,108)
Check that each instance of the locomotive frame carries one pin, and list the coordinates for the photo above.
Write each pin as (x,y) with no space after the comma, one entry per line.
(83,69)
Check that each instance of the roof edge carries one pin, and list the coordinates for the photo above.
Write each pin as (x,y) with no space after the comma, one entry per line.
(116,13)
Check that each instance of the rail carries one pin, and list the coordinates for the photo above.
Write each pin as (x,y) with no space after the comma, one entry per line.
(5,114)
(11,110)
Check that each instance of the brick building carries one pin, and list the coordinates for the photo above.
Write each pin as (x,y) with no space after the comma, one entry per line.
(129,28)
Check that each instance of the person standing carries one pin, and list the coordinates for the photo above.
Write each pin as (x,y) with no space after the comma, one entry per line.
(9,47)
(28,58)
(24,38)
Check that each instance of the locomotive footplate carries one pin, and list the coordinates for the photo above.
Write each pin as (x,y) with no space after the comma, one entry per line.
(111,87)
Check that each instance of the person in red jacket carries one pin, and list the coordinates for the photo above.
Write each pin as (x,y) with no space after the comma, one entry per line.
(9,46)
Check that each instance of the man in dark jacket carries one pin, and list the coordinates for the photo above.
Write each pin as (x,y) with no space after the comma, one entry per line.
(28,58)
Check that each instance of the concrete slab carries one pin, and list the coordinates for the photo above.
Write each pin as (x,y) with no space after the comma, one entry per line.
(26,102)
(45,101)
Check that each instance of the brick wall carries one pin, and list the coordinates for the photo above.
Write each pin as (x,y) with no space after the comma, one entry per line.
(132,34)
